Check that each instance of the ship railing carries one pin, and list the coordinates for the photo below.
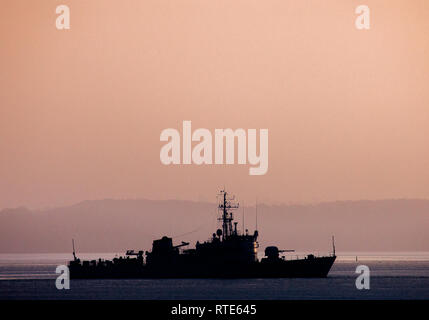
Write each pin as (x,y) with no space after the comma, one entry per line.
(301,256)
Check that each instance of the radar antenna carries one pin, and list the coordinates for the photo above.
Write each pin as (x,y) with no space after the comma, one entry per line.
(226,206)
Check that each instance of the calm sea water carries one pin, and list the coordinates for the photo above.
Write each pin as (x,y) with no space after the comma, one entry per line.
(393,276)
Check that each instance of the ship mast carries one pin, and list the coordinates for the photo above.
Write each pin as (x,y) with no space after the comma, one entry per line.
(74,253)
(226,206)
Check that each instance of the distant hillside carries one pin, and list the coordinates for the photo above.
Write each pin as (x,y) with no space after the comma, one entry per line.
(117,225)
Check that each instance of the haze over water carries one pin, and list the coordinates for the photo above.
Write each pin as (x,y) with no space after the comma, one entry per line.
(402,275)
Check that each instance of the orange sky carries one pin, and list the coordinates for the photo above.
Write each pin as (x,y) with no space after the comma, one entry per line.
(81,110)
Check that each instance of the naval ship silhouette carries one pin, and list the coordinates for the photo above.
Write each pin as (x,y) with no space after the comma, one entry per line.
(228,254)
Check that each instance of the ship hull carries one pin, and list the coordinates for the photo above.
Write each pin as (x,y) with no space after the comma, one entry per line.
(317,267)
